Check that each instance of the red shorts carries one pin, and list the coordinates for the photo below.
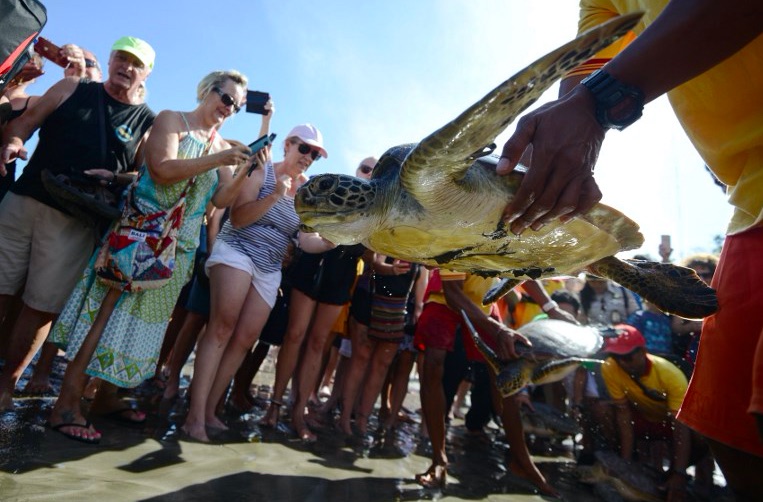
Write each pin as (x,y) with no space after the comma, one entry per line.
(724,389)
(436,329)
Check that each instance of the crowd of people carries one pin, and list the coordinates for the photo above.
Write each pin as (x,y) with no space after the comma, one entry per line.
(245,277)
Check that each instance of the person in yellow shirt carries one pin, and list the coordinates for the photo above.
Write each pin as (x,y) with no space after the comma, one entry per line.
(707,55)
(646,391)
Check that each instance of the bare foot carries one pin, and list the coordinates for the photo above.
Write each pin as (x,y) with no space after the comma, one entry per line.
(215,423)
(303,431)
(38,386)
(434,477)
(534,476)
(272,415)
(195,432)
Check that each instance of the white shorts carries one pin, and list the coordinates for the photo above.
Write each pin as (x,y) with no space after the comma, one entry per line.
(265,283)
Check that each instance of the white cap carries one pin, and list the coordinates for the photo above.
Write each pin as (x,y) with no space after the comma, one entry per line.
(309,134)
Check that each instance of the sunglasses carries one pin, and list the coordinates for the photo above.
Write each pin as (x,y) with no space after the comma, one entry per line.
(91,63)
(227,99)
(304,149)
(365,169)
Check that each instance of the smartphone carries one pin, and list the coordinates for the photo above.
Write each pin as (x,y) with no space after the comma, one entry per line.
(258,145)
(50,51)
(255,102)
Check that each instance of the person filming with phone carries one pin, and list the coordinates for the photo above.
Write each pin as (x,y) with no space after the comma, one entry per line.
(41,243)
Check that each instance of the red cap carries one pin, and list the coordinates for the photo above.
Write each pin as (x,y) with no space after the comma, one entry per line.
(627,340)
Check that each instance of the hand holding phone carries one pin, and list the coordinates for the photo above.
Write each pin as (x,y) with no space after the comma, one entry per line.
(50,51)
(258,145)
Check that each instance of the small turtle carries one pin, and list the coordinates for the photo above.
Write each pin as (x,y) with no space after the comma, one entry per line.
(558,348)
(545,420)
(440,202)
(631,481)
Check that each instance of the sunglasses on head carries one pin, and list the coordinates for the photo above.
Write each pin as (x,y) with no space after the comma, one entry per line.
(365,169)
(304,149)
(227,99)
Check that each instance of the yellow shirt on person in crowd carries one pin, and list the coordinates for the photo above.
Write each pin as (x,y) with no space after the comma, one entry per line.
(662,376)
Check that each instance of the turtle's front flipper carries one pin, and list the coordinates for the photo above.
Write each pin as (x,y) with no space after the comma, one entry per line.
(514,376)
(557,369)
(446,154)
(511,376)
(499,290)
(673,289)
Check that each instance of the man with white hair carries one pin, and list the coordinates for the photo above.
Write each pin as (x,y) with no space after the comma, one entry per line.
(43,247)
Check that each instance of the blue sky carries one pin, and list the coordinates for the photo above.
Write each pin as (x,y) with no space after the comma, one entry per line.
(375,74)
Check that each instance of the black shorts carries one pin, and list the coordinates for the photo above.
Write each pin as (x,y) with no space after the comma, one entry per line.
(327,277)
(275,328)
(360,308)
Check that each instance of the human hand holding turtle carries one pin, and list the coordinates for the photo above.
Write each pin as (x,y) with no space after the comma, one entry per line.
(566,139)
(506,339)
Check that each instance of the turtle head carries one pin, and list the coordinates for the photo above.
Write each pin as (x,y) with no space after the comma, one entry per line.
(338,206)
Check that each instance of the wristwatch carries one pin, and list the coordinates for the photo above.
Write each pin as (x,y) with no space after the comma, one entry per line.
(618,105)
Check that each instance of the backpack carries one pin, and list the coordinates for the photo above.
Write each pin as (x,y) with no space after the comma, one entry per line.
(21,22)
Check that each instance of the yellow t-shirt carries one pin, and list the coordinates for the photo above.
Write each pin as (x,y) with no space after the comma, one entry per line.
(475,288)
(663,376)
(721,110)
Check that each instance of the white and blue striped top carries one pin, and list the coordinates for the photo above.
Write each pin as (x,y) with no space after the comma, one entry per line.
(265,241)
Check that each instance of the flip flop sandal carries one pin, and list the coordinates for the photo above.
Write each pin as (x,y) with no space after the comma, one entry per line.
(57,428)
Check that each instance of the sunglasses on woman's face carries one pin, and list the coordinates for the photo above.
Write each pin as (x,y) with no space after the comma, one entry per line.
(227,99)
(365,169)
(304,149)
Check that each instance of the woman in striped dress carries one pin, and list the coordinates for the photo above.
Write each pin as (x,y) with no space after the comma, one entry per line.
(245,272)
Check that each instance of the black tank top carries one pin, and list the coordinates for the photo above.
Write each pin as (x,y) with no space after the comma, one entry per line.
(69,139)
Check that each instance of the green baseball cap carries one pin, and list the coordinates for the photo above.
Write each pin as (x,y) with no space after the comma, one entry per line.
(138,48)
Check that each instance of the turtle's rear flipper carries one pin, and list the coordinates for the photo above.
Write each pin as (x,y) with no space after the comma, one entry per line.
(673,289)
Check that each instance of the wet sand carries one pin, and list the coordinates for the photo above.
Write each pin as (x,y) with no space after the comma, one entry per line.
(153,462)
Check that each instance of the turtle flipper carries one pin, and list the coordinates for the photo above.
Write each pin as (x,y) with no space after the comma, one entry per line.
(499,290)
(510,376)
(514,376)
(672,288)
(557,369)
(447,153)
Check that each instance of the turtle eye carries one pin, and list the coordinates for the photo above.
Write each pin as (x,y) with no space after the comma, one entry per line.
(326,184)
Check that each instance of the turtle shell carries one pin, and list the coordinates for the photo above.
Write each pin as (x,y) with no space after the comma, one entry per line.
(555,339)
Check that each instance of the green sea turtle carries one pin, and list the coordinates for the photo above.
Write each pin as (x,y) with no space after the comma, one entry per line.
(630,480)
(440,202)
(558,348)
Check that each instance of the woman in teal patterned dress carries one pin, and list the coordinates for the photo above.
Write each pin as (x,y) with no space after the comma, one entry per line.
(116,336)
